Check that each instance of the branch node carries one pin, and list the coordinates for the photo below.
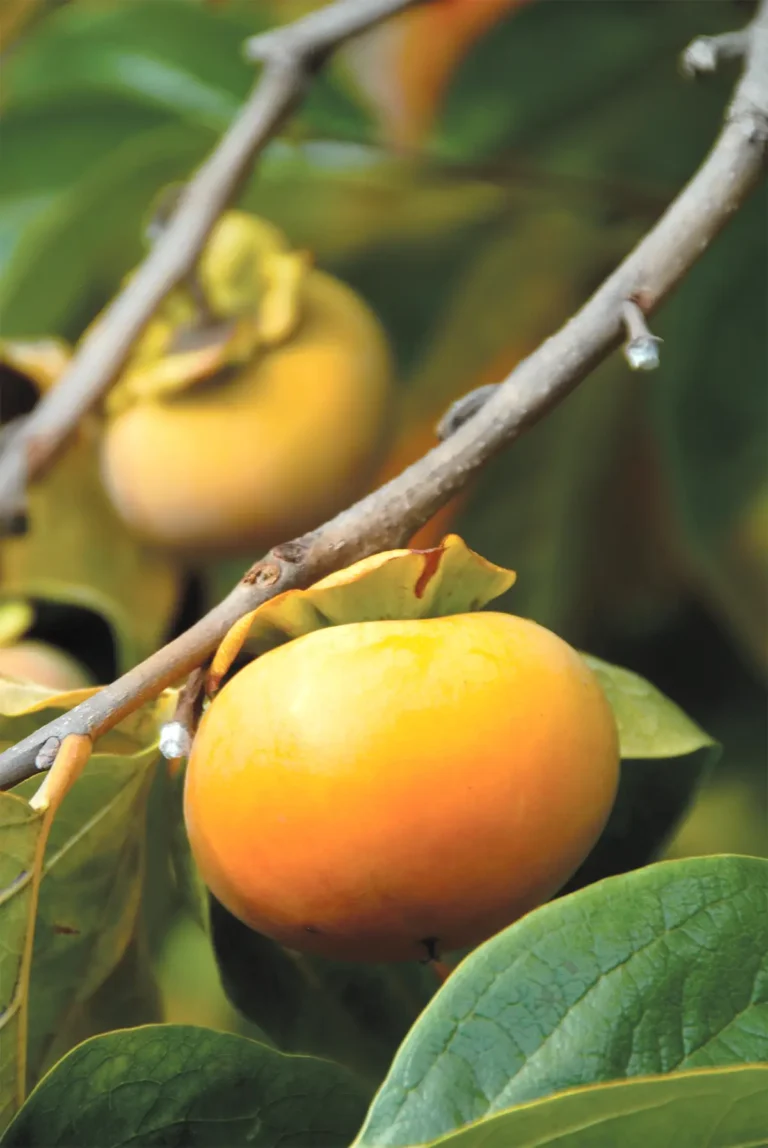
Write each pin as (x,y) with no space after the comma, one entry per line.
(293,551)
(263,574)
(175,741)
(641,349)
(704,54)
(464,409)
(46,755)
(176,736)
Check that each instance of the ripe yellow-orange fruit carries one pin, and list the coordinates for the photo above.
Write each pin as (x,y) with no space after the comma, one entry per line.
(380,790)
(268,451)
(43,664)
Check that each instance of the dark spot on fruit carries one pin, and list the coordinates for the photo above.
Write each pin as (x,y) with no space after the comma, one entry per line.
(430,944)
(67,930)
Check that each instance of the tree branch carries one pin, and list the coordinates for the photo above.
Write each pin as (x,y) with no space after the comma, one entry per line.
(388,517)
(290,55)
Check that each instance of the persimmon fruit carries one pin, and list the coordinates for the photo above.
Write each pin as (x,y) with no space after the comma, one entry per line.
(389,790)
(263,451)
(43,664)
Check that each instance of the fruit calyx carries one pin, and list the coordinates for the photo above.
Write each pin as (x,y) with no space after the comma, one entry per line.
(245,295)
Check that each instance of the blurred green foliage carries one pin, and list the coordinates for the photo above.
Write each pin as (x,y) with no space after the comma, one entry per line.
(635,514)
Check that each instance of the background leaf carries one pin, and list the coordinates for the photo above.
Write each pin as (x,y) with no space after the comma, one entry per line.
(174,1085)
(90,894)
(78,552)
(657,971)
(91,874)
(20,827)
(650,725)
(356,1013)
(723,1108)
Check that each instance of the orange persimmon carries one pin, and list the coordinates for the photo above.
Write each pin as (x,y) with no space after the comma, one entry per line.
(388,790)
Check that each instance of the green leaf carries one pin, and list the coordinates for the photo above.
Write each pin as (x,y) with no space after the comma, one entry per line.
(20,834)
(723,1108)
(49,150)
(91,873)
(185,60)
(182,59)
(650,725)
(598,55)
(130,996)
(710,410)
(653,793)
(82,239)
(168,1086)
(90,893)
(653,972)
(357,1014)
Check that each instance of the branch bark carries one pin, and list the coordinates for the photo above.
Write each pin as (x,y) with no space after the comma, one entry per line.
(291,55)
(388,517)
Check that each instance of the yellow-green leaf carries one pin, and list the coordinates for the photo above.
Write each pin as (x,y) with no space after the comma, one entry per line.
(26,706)
(90,892)
(709,1108)
(15,619)
(77,551)
(20,856)
(41,360)
(650,725)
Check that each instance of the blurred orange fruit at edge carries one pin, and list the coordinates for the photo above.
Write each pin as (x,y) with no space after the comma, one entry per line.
(404,66)
(46,665)
(351,794)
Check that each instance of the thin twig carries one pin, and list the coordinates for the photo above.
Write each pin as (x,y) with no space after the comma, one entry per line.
(291,55)
(388,517)
(176,735)
(641,349)
(705,53)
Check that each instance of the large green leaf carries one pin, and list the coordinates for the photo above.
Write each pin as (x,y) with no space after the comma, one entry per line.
(176,1086)
(356,1013)
(721,1108)
(653,972)
(129,996)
